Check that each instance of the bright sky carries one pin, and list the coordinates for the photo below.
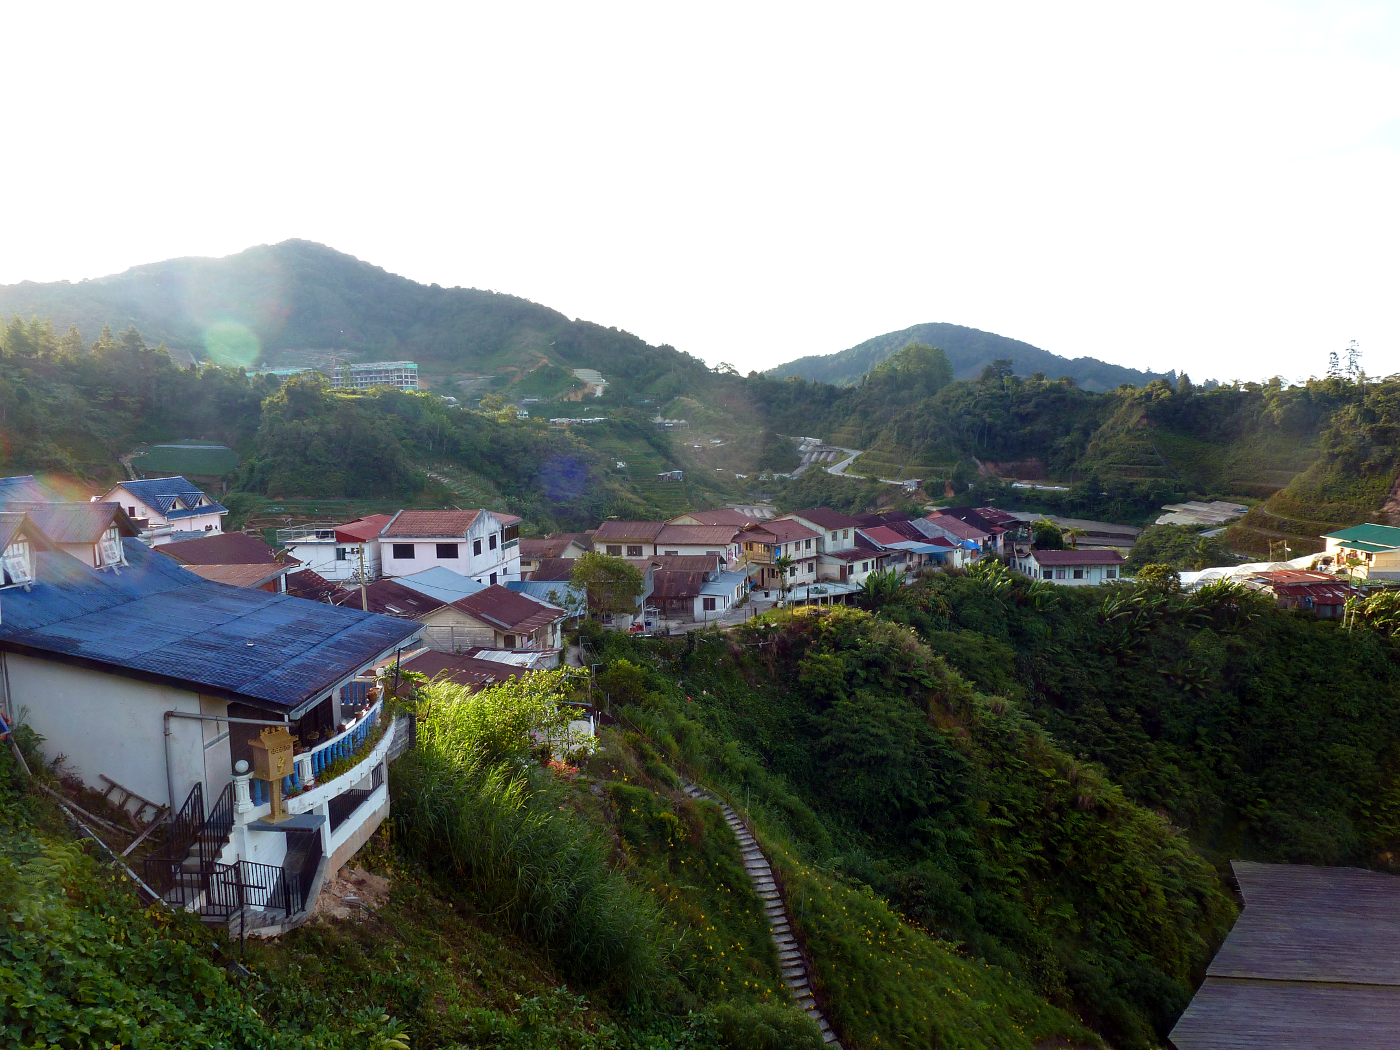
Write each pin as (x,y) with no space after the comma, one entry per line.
(1213,187)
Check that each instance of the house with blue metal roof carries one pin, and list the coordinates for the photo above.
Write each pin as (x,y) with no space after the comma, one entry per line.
(147,676)
(168,509)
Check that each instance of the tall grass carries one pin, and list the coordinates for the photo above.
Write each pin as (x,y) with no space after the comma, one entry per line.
(468,803)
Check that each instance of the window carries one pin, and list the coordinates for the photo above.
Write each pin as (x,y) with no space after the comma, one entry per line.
(493,579)
(865,566)
(492,541)
(476,547)
(447,550)
(510,641)
(131,512)
(1111,574)
(792,570)
(835,536)
(1046,574)
(809,545)
(845,534)
(1059,574)
(16,563)
(665,552)
(614,550)
(109,550)
(707,604)
(1079,574)
(634,550)
(208,528)
(341,554)
(403,550)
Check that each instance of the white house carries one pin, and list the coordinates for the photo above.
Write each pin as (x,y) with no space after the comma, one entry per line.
(1369,551)
(1074,568)
(157,680)
(166,509)
(337,552)
(721,541)
(477,543)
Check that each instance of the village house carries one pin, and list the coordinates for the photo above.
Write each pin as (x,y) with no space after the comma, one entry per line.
(233,558)
(90,532)
(161,683)
(1369,551)
(717,516)
(569,545)
(338,552)
(166,509)
(481,544)
(908,554)
(560,571)
(780,538)
(1002,526)
(695,589)
(977,541)
(1074,568)
(1300,589)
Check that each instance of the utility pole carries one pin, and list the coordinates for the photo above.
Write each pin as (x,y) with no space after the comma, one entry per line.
(364,593)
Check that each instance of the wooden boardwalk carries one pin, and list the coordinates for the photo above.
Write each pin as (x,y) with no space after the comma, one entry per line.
(1313,962)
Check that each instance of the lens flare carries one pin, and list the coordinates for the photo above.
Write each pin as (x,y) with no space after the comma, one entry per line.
(231,345)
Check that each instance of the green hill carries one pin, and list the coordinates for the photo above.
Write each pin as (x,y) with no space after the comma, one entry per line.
(970,350)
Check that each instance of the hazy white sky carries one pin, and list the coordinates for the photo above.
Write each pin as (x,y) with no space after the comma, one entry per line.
(1213,187)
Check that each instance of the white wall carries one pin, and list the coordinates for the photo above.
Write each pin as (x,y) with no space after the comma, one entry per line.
(319,557)
(107,724)
(1064,575)
(211,524)
(503,561)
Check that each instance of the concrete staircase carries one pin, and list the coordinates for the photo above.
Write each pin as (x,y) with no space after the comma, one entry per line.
(794,970)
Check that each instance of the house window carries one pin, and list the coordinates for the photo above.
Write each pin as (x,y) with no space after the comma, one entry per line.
(510,641)
(16,563)
(845,534)
(671,552)
(476,547)
(809,545)
(708,604)
(1045,574)
(635,550)
(131,512)
(1059,574)
(792,570)
(492,541)
(614,550)
(403,550)
(1111,574)
(1079,574)
(493,579)
(865,566)
(209,528)
(447,550)
(341,554)
(835,537)
(109,551)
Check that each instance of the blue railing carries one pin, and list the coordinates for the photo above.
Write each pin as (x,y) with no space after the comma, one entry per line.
(341,747)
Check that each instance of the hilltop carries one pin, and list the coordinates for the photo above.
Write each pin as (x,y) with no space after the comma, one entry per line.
(970,350)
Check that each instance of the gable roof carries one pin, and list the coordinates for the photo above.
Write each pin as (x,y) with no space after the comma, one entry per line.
(464,670)
(362,529)
(159,622)
(174,497)
(16,522)
(508,610)
(717,516)
(391,598)
(780,530)
(677,584)
(250,575)
(553,569)
(697,535)
(973,516)
(553,546)
(852,554)
(957,527)
(882,517)
(28,488)
(229,548)
(312,586)
(825,518)
(1090,557)
(622,531)
(440,582)
(76,522)
(886,536)
(1384,537)
(430,524)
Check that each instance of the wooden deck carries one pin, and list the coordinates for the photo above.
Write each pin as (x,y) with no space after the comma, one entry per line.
(1313,961)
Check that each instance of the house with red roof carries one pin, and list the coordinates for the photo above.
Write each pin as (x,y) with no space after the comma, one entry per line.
(1304,590)
(481,544)
(337,552)
(778,538)
(977,540)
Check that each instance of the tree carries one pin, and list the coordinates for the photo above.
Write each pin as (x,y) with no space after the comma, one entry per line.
(72,345)
(1072,534)
(881,588)
(609,584)
(782,565)
(1046,535)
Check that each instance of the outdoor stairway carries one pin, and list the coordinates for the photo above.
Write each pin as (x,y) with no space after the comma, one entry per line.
(794,970)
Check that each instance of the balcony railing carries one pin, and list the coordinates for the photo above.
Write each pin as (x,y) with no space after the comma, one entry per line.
(323,532)
(309,764)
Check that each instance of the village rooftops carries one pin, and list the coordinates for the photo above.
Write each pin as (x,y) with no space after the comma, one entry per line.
(778,530)
(75,522)
(463,670)
(27,488)
(887,517)
(718,516)
(989,519)
(826,518)
(362,530)
(553,569)
(1369,537)
(697,535)
(440,583)
(621,531)
(1303,583)
(158,622)
(1062,559)
(174,497)
(673,584)
(553,546)
(252,575)
(429,524)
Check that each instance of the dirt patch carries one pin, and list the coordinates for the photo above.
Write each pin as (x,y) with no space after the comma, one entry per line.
(350,894)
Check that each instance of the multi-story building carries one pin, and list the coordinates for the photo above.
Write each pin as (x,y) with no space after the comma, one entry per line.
(338,552)
(476,543)
(400,374)
(167,509)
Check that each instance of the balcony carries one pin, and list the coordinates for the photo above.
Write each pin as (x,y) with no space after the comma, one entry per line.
(321,532)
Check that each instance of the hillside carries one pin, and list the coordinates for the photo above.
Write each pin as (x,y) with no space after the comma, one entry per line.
(970,350)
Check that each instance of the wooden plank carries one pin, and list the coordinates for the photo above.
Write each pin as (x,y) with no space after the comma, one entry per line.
(1231,1014)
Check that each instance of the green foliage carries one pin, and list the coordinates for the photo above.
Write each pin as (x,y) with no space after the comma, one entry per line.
(610,584)
(762,1026)
(1046,535)
(1180,546)
(881,588)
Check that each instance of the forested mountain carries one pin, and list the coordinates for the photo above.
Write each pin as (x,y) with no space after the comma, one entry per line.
(970,350)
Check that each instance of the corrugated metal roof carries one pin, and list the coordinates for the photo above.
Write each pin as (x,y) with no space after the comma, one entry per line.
(961,529)
(1104,557)
(227,548)
(825,518)
(75,522)
(430,524)
(441,583)
(254,575)
(174,497)
(1386,536)
(674,585)
(508,610)
(622,531)
(158,621)
(361,529)
(696,535)
(26,487)
(778,530)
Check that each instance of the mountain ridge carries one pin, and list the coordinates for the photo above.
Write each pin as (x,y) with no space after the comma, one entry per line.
(969,350)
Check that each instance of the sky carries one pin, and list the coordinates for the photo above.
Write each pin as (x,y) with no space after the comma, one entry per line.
(1207,187)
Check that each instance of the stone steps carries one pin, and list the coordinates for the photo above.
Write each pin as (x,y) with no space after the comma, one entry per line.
(791,965)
